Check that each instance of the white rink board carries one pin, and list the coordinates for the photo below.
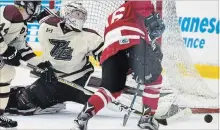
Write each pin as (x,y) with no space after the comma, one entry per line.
(200,26)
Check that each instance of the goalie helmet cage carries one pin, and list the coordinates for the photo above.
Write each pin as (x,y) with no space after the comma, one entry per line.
(180,74)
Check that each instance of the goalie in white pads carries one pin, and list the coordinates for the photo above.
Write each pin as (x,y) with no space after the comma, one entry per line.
(13,47)
(66,47)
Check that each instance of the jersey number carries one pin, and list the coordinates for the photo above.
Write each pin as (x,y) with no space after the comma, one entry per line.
(118,14)
(61,51)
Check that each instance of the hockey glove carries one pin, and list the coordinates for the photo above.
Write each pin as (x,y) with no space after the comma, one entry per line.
(11,56)
(41,66)
(48,75)
(154,25)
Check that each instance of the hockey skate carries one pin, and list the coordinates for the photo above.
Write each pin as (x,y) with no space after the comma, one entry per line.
(80,123)
(7,123)
(147,121)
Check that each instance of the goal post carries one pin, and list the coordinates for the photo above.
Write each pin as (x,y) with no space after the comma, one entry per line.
(179,73)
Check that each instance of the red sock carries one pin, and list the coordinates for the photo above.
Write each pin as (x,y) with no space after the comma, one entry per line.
(101,98)
(151,95)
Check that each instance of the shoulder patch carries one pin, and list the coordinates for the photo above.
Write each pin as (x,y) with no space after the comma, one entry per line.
(53,21)
(12,14)
(90,30)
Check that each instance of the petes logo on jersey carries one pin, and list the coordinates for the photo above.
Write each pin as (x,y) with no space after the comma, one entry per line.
(61,51)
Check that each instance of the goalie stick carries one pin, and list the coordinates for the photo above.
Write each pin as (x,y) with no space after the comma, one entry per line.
(121,106)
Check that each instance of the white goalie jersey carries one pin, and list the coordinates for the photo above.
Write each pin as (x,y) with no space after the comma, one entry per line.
(68,49)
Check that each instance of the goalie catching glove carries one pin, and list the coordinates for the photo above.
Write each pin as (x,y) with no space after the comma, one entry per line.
(48,75)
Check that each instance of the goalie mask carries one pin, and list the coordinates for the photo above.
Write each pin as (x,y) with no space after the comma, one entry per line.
(74,14)
(32,8)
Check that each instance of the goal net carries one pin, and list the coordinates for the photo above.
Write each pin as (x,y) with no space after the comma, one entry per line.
(180,75)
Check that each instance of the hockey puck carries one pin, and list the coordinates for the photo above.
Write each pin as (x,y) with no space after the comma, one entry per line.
(208,118)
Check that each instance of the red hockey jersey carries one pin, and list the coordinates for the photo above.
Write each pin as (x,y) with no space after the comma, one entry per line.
(125,27)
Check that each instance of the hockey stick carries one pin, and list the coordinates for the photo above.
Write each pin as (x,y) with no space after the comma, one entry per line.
(51,12)
(126,116)
(121,106)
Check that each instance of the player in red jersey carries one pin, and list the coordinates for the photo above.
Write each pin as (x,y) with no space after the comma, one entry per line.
(126,47)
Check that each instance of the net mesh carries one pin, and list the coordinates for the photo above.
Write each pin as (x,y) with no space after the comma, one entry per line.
(180,74)
(98,12)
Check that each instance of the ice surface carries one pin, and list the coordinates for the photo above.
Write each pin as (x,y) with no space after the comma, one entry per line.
(106,119)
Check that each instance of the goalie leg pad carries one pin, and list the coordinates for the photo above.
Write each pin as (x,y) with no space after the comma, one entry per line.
(24,100)
(43,93)
(51,93)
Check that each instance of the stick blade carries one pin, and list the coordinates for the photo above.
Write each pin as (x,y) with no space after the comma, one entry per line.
(162,121)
